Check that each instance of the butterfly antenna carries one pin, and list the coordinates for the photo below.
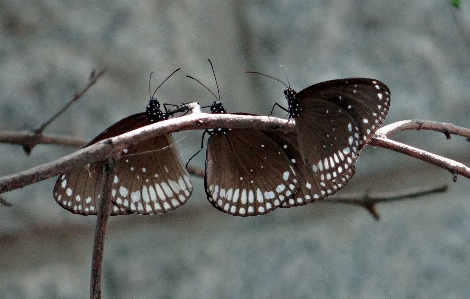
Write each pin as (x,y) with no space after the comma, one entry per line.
(162,82)
(150,80)
(287,78)
(203,85)
(215,78)
(252,72)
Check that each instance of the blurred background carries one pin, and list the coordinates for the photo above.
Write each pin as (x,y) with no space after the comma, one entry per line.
(420,49)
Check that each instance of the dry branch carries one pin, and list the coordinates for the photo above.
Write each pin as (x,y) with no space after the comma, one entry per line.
(455,168)
(93,79)
(30,139)
(112,147)
(104,211)
(369,202)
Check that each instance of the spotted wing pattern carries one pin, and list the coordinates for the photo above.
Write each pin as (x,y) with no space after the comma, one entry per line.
(313,186)
(149,177)
(79,191)
(336,119)
(247,173)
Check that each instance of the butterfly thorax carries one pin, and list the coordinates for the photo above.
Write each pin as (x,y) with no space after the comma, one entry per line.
(293,102)
(153,111)
(217,108)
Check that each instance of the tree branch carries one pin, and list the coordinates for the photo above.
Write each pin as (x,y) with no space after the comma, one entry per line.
(369,202)
(112,147)
(104,211)
(30,139)
(455,168)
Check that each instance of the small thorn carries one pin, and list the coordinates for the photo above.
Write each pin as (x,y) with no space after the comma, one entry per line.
(447,134)
(373,210)
(27,149)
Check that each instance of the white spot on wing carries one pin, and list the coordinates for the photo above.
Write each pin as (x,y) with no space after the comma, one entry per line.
(259,195)
(135,196)
(236,193)
(160,193)
(145,194)
(280,188)
(123,191)
(174,186)
(243,198)
(167,189)
(251,196)
(152,193)
(285,175)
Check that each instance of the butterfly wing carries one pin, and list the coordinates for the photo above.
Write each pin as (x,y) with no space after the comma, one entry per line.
(79,191)
(149,177)
(247,173)
(313,186)
(338,118)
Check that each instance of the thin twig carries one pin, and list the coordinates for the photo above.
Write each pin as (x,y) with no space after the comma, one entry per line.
(4,203)
(104,211)
(455,168)
(369,202)
(28,138)
(33,141)
(77,96)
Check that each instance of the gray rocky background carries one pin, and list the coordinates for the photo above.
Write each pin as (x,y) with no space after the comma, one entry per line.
(419,249)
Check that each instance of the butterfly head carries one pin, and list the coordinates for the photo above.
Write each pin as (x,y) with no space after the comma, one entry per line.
(153,111)
(217,107)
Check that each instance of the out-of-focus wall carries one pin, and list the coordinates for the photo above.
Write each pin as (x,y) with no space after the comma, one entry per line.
(420,49)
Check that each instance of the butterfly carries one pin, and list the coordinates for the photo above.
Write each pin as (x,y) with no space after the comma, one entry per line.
(246,172)
(149,176)
(334,120)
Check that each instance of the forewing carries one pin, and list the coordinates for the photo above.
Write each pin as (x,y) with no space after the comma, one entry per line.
(247,173)
(338,118)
